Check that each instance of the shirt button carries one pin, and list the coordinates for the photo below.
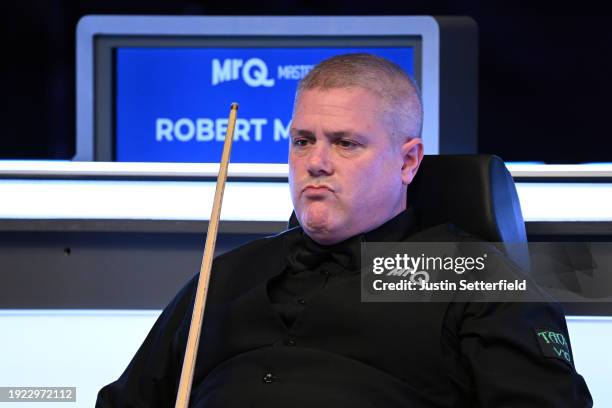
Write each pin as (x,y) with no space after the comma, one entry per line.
(268,378)
(290,341)
(325,272)
(301,301)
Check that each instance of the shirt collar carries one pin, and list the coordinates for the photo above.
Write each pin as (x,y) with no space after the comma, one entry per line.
(306,254)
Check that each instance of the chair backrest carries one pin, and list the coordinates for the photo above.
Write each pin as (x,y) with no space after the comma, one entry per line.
(477,194)
(474,192)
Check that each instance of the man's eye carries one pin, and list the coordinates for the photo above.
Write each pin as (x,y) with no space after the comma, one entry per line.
(347,144)
(300,142)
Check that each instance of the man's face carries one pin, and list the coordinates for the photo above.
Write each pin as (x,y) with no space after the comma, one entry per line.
(346,175)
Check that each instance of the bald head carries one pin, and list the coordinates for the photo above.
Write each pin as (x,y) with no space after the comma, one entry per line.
(402,109)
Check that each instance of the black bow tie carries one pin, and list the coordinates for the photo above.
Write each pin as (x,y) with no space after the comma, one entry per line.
(306,254)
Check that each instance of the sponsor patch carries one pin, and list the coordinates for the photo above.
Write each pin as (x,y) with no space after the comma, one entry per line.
(554,344)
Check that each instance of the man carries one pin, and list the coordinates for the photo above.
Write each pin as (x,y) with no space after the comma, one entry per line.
(347,131)
(284,322)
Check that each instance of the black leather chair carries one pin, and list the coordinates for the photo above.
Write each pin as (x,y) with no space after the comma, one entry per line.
(474,192)
(477,194)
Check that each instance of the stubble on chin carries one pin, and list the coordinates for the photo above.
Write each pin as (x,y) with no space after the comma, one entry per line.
(316,218)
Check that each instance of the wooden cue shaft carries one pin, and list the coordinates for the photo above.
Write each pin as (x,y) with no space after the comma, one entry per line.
(191,351)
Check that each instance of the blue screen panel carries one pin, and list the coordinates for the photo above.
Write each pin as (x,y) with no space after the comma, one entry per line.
(172,104)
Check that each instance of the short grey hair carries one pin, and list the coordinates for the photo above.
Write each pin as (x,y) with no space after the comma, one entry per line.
(401,97)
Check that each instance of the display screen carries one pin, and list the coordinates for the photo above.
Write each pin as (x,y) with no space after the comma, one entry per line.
(172,104)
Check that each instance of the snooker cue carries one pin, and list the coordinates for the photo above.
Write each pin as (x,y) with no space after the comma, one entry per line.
(191,351)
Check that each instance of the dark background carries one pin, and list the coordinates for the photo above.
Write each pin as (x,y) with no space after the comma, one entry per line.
(545,73)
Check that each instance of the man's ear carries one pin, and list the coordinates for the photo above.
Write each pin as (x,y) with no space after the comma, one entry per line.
(412,154)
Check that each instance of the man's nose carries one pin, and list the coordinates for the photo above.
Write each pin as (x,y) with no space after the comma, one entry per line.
(319,160)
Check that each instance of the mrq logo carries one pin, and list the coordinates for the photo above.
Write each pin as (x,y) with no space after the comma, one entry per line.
(254,71)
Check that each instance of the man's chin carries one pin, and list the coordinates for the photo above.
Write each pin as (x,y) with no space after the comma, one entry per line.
(317,229)
(323,234)
(321,223)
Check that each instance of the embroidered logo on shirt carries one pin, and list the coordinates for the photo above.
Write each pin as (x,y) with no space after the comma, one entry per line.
(554,344)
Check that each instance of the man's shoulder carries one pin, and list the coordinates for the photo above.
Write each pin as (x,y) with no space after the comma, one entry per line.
(447,232)
(247,265)
(273,244)
(261,254)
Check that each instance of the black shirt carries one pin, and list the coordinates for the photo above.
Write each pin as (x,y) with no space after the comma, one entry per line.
(311,266)
(334,350)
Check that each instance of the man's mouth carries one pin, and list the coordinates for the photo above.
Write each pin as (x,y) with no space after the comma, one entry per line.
(317,187)
(317,190)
